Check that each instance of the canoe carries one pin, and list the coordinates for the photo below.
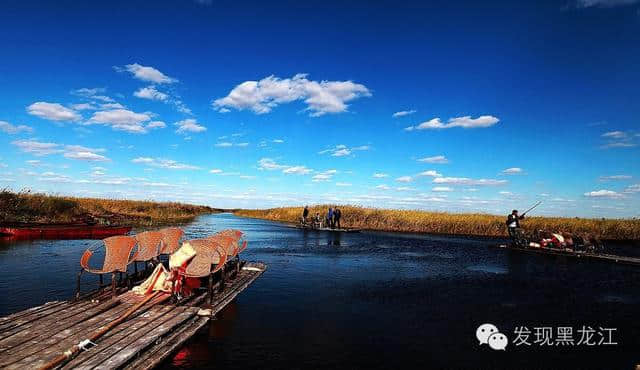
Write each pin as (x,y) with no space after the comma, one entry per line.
(62,231)
(575,254)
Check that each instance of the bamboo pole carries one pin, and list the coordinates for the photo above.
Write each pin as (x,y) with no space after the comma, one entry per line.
(96,335)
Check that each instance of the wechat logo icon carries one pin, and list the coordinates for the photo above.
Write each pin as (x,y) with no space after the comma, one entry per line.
(489,334)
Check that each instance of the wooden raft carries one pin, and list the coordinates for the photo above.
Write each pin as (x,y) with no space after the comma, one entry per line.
(581,255)
(33,337)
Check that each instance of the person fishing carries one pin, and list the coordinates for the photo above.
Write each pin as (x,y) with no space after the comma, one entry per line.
(336,217)
(330,218)
(305,214)
(513,226)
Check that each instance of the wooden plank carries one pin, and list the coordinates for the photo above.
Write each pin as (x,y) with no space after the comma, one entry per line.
(27,316)
(32,323)
(35,334)
(42,351)
(167,346)
(132,342)
(118,336)
(29,311)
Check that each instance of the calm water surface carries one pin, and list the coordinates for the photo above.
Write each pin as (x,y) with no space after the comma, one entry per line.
(376,300)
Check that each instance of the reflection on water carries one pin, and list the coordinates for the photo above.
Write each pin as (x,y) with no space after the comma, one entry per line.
(374,300)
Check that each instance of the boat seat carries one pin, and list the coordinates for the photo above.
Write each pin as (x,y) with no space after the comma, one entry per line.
(170,240)
(117,257)
(149,243)
(209,259)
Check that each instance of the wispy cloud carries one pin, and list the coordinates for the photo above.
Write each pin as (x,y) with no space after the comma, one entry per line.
(76,152)
(619,139)
(512,171)
(324,176)
(343,151)
(439,159)
(615,177)
(604,3)
(380,175)
(468,181)
(269,164)
(53,112)
(164,163)
(145,73)
(189,125)
(464,122)
(122,120)
(94,93)
(150,93)
(321,97)
(603,193)
(10,129)
(403,113)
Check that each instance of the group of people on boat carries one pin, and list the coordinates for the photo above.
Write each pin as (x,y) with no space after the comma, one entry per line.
(545,239)
(331,219)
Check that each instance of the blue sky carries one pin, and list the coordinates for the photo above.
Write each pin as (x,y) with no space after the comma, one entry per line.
(452,106)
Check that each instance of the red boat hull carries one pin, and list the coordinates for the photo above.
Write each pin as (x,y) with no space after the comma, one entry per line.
(64,232)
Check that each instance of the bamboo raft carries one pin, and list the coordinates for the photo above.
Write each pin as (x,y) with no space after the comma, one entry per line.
(573,254)
(34,337)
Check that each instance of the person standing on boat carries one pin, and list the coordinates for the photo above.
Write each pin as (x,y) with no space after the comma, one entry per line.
(336,217)
(305,214)
(513,225)
(330,218)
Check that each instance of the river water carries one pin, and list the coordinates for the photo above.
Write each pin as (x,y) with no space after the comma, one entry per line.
(381,300)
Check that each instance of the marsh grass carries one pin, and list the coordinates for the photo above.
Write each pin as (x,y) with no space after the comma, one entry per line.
(26,206)
(454,223)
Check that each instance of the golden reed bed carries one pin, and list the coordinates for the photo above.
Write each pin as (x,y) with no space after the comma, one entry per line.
(453,223)
(33,207)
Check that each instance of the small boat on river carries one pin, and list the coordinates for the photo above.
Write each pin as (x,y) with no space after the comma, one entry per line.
(61,231)
(575,254)
(335,230)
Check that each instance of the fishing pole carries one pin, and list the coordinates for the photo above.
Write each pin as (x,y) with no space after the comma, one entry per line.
(534,206)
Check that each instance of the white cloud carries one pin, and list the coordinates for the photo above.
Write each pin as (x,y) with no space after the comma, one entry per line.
(603,3)
(403,113)
(297,170)
(53,112)
(216,171)
(37,148)
(12,130)
(465,122)
(151,93)
(92,93)
(109,106)
(468,181)
(404,179)
(603,194)
(84,106)
(441,189)
(342,150)
(224,144)
(242,145)
(380,175)
(512,171)
(122,120)
(504,192)
(264,95)
(54,177)
(148,74)
(278,141)
(343,184)
(189,125)
(439,159)
(615,135)
(156,124)
(615,177)
(81,153)
(619,139)
(271,165)
(430,173)
(383,187)
(635,188)
(324,176)
(164,163)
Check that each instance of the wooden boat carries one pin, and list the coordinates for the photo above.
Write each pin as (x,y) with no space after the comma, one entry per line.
(574,254)
(342,230)
(61,231)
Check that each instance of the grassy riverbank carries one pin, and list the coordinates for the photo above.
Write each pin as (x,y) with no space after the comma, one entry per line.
(34,207)
(452,223)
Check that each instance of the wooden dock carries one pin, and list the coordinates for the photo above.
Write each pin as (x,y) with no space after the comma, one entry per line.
(31,338)
(578,255)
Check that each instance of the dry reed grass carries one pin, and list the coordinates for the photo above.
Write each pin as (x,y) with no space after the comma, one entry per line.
(454,223)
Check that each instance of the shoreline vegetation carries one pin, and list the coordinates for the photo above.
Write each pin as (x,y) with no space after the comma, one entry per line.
(31,207)
(470,224)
